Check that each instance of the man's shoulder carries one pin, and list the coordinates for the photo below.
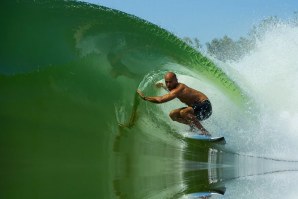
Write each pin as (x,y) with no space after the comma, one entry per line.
(177,89)
(180,87)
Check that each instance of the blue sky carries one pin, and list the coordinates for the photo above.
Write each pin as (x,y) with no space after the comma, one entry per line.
(204,19)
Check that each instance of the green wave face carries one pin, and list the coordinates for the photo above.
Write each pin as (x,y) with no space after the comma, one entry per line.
(71,124)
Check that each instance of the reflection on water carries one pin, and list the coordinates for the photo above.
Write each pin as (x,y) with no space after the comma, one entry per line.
(151,169)
(195,170)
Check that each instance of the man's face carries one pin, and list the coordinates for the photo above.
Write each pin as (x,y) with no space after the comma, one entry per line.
(171,82)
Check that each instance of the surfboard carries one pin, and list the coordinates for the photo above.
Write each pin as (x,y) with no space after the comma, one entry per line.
(207,138)
(203,194)
(200,195)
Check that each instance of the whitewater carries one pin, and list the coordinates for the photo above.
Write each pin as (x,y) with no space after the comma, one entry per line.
(268,74)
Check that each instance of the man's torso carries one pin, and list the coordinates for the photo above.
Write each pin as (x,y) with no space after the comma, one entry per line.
(188,95)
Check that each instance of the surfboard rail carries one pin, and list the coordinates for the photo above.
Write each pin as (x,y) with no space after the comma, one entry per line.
(206,138)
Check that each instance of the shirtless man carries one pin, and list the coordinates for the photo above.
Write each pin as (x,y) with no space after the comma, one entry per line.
(199,107)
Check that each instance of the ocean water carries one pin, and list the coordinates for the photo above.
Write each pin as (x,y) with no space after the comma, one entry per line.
(72,126)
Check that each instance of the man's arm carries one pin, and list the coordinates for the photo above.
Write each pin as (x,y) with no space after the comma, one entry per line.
(158,99)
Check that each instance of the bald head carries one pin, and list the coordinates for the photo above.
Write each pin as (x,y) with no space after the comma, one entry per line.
(170,75)
(171,80)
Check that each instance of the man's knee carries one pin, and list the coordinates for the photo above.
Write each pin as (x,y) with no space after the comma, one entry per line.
(173,115)
(185,113)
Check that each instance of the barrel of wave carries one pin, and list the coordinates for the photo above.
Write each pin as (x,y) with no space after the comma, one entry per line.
(225,117)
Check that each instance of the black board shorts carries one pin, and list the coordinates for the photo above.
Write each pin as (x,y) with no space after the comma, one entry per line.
(202,110)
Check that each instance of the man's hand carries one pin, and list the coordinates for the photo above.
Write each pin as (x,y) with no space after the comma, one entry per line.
(141,94)
(159,85)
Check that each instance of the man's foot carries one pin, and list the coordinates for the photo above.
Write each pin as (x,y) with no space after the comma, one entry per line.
(204,132)
(192,128)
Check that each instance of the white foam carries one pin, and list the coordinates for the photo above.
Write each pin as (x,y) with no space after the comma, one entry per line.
(269,75)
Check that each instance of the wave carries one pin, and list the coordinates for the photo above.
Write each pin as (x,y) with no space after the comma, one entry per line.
(70,116)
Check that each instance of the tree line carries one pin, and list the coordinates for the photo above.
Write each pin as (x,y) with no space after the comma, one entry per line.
(227,49)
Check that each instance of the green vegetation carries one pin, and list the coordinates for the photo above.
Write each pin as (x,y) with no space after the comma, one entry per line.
(227,49)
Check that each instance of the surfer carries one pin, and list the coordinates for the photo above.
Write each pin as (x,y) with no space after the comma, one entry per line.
(199,107)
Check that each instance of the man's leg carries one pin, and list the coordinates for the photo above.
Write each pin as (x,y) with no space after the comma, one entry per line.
(188,115)
(175,116)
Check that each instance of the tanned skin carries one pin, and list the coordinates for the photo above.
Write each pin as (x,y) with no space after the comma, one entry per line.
(185,94)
